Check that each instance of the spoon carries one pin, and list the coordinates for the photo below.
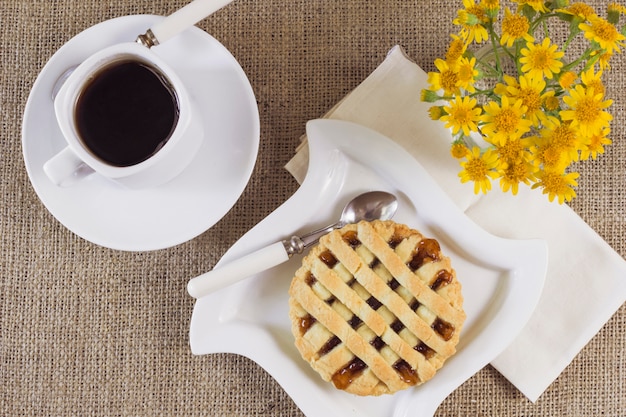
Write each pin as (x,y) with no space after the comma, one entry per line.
(163,30)
(180,20)
(368,206)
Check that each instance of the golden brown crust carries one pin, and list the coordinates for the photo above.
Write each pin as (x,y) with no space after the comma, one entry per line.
(376,308)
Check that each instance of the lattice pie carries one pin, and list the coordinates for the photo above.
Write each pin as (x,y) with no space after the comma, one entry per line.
(376,308)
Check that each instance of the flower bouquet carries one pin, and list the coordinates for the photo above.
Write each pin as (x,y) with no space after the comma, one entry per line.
(522,107)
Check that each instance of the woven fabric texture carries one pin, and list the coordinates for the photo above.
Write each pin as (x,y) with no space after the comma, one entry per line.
(86,330)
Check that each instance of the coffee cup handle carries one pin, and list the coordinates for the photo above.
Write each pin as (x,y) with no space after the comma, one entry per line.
(65,167)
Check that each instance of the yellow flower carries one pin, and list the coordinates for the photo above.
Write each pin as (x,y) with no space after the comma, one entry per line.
(480,168)
(564,139)
(616,7)
(503,89)
(514,173)
(614,10)
(462,114)
(548,155)
(446,79)
(514,27)
(604,60)
(529,92)
(557,185)
(467,73)
(581,10)
(567,78)
(491,7)
(603,33)
(536,5)
(456,49)
(504,121)
(592,80)
(459,150)
(541,59)
(596,144)
(514,150)
(471,20)
(551,103)
(564,135)
(586,111)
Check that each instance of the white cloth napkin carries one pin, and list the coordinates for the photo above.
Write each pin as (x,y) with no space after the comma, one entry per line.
(586,279)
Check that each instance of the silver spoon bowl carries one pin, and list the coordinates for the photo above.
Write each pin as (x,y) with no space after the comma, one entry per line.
(367,206)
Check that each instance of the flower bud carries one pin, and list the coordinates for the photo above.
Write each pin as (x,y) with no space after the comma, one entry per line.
(430,96)
(567,78)
(559,4)
(435,112)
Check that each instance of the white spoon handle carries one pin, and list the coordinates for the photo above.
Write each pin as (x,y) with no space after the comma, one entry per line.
(237,270)
(186,17)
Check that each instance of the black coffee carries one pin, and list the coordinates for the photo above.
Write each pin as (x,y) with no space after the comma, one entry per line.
(126,113)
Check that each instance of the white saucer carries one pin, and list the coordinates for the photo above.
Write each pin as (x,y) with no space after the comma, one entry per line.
(111,216)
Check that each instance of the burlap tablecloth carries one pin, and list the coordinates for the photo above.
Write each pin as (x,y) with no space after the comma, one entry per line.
(86,330)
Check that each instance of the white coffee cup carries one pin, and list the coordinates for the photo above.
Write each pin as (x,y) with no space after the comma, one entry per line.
(78,160)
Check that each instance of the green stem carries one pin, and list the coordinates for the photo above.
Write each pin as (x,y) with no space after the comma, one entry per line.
(591,62)
(542,18)
(518,51)
(494,44)
(577,61)
(570,38)
(487,69)
(479,93)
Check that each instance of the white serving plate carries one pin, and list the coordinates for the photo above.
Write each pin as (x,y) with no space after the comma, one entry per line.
(502,279)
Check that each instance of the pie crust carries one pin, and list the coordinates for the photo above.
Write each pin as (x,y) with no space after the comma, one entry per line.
(376,308)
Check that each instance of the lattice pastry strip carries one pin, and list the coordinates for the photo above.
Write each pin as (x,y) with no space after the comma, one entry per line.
(373,311)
